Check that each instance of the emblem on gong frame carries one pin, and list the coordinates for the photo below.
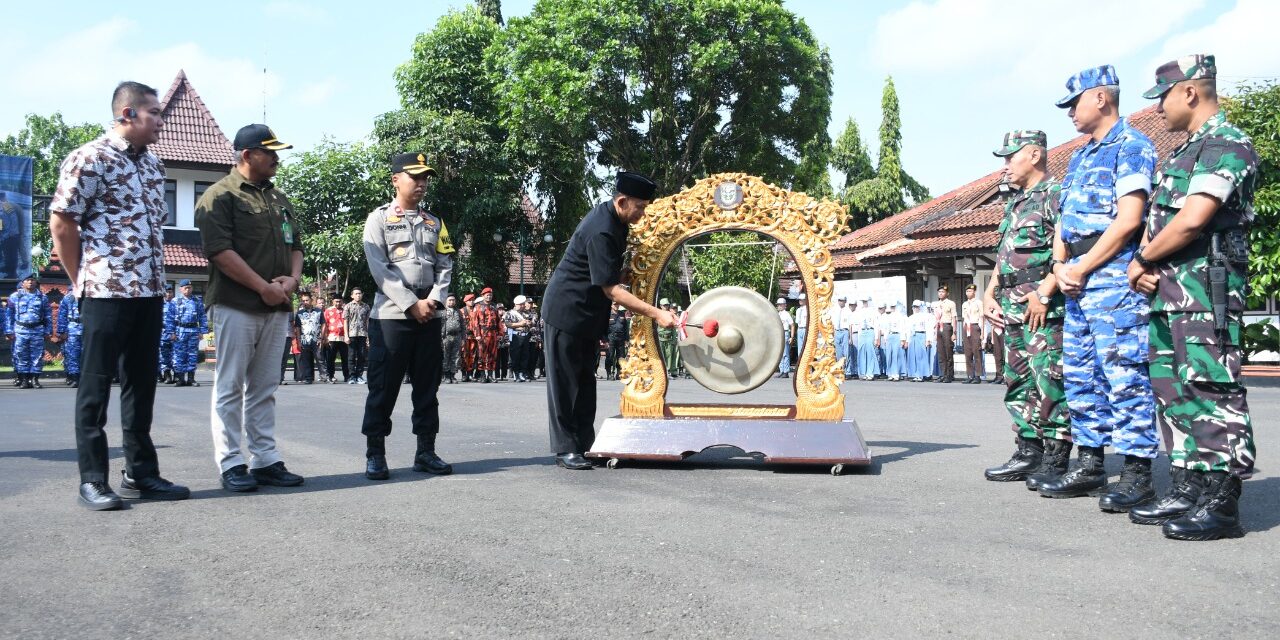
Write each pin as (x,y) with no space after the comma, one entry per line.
(728,195)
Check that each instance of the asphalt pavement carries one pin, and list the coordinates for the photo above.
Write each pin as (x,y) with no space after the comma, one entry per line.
(918,544)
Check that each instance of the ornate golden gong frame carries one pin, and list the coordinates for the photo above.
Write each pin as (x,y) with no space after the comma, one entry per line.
(805,226)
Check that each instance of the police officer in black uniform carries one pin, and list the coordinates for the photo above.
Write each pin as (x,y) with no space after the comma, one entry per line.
(575,314)
(411,260)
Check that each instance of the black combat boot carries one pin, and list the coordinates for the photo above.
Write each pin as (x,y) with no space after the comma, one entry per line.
(425,459)
(1133,488)
(75,381)
(17,380)
(33,381)
(1057,455)
(1085,477)
(1219,514)
(1181,499)
(1024,461)
(191,379)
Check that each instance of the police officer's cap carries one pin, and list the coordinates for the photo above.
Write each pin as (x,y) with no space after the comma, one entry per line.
(636,185)
(258,136)
(414,164)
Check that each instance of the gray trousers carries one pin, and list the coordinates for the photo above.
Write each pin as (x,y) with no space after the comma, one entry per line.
(452,352)
(244,384)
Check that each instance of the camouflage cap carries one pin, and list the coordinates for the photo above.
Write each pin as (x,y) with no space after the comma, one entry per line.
(1104,76)
(1016,140)
(1190,67)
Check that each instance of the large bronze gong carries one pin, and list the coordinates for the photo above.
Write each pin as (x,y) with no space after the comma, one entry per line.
(741,349)
(746,349)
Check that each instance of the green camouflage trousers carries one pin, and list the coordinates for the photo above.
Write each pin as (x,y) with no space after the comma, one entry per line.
(670,350)
(1200,400)
(1034,394)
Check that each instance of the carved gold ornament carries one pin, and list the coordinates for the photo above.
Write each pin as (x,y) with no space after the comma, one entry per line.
(805,226)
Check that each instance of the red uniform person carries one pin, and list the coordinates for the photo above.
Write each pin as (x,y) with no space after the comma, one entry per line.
(469,341)
(485,325)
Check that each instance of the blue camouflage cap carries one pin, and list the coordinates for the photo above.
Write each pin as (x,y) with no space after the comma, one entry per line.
(1104,76)
(184,283)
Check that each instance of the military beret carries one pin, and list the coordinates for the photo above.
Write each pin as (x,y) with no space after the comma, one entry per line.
(486,290)
(1189,67)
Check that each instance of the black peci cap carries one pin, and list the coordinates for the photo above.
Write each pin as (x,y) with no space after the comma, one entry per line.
(636,185)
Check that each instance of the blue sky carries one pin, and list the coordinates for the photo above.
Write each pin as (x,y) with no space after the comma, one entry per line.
(965,70)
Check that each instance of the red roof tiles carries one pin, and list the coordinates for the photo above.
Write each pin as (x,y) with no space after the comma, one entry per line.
(184,256)
(190,132)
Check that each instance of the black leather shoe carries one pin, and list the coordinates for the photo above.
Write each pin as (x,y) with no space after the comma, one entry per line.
(238,479)
(1024,461)
(1180,501)
(98,496)
(1133,488)
(1218,517)
(429,462)
(276,476)
(376,468)
(574,461)
(153,488)
(1086,478)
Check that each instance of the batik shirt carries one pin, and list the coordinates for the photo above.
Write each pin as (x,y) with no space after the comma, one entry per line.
(334,324)
(1026,242)
(357,317)
(310,323)
(1099,174)
(116,194)
(1217,160)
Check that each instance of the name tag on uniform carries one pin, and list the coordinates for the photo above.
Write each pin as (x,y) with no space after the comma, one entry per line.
(287,230)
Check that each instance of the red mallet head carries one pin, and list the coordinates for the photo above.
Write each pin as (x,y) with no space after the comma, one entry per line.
(710,328)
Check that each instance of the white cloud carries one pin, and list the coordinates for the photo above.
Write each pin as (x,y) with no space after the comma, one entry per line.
(317,93)
(75,74)
(1242,39)
(997,39)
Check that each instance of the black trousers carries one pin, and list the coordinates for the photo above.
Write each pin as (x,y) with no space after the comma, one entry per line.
(613,361)
(359,355)
(121,335)
(571,389)
(521,363)
(504,361)
(397,347)
(308,358)
(331,351)
(284,360)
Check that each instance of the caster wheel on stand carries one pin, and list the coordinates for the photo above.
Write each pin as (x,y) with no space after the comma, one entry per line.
(612,463)
(837,470)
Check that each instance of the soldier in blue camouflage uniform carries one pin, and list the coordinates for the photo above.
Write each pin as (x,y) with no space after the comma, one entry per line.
(28,323)
(1103,202)
(1022,297)
(1193,261)
(192,323)
(69,331)
(168,334)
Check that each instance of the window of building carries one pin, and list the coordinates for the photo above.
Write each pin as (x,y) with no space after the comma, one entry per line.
(201,187)
(171,203)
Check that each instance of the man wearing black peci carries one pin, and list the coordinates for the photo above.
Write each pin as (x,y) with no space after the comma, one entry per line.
(583,288)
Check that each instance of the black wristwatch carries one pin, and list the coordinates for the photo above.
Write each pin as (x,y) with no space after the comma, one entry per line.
(1142,262)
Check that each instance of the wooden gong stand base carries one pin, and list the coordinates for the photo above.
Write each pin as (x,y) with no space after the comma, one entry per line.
(785,441)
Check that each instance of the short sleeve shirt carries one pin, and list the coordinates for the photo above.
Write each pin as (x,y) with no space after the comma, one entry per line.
(1217,160)
(1098,175)
(575,301)
(334,323)
(310,323)
(115,193)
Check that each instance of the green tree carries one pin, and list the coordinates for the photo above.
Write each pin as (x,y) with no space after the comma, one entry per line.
(1255,108)
(450,112)
(49,140)
(491,9)
(733,260)
(886,193)
(849,156)
(334,187)
(677,89)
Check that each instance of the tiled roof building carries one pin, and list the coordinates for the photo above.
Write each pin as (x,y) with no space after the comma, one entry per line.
(191,138)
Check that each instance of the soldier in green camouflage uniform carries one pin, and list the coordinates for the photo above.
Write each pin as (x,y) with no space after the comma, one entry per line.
(669,344)
(1023,296)
(1193,261)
